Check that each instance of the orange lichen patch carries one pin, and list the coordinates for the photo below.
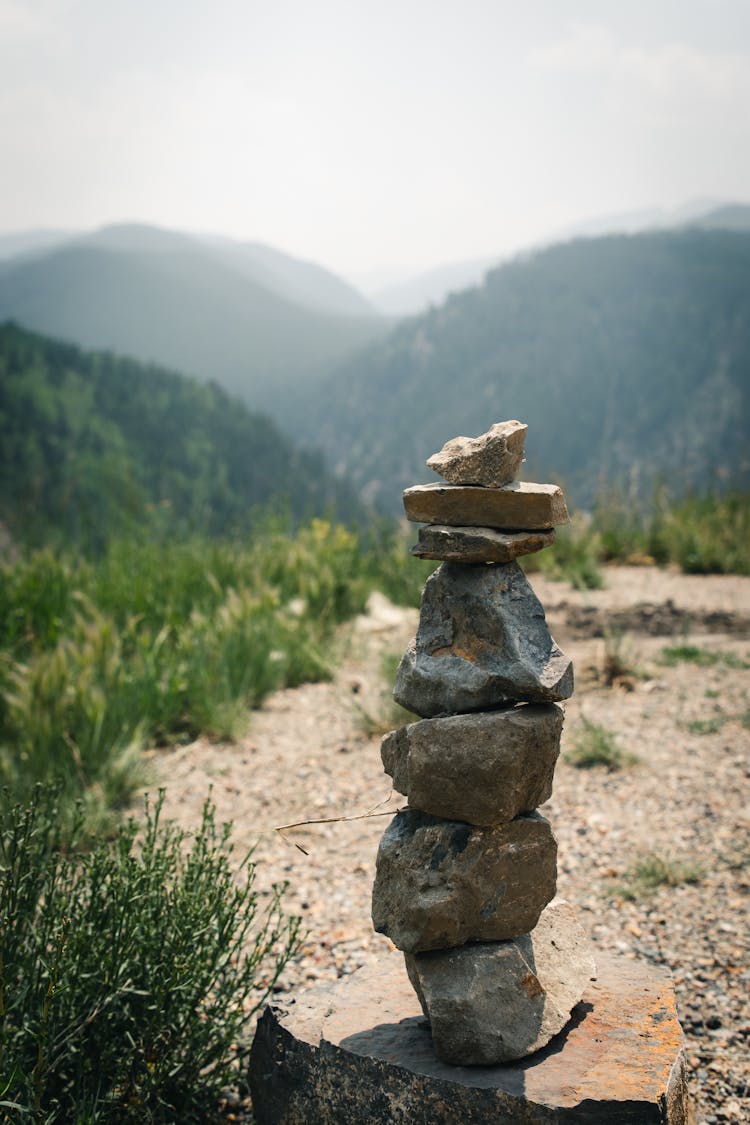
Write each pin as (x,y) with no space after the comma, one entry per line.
(620,1058)
(457,650)
(531,986)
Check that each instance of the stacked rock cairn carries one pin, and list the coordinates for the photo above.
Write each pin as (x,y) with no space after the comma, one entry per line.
(466,873)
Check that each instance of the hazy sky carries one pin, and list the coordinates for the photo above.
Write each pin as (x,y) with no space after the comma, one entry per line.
(369,133)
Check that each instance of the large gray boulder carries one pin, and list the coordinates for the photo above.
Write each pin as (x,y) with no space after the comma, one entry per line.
(492,459)
(484,768)
(482,642)
(478,544)
(497,1001)
(517,506)
(441,883)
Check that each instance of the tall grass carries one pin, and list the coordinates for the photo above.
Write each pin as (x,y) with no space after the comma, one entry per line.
(701,534)
(157,642)
(707,534)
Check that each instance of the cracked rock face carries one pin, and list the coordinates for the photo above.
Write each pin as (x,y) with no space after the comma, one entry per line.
(482,642)
(484,768)
(441,883)
(492,459)
(478,544)
(498,1001)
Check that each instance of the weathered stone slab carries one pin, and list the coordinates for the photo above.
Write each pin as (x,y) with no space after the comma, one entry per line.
(492,459)
(495,1001)
(441,883)
(360,1052)
(484,768)
(478,544)
(514,507)
(482,641)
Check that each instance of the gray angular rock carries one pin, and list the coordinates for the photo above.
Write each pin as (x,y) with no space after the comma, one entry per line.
(484,768)
(482,642)
(519,506)
(441,883)
(498,1001)
(492,459)
(478,544)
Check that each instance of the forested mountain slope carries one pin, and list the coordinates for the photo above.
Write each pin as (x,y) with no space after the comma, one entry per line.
(163,297)
(629,357)
(92,444)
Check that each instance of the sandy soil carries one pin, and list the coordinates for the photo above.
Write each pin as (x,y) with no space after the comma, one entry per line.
(313,753)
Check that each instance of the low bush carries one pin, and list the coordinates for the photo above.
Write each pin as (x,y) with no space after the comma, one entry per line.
(128,972)
(653,871)
(593,745)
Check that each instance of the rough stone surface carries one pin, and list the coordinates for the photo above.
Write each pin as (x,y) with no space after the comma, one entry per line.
(492,459)
(495,1001)
(360,1053)
(514,507)
(482,641)
(478,544)
(484,768)
(441,883)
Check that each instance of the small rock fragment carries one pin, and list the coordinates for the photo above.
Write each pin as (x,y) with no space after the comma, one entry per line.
(484,768)
(441,883)
(478,544)
(482,642)
(521,505)
(492,459)
(498,1001)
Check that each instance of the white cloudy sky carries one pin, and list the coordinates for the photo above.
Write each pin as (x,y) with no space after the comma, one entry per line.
(369,133)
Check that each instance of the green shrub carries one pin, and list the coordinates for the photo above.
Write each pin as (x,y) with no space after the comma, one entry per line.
(129,973)
(575,556)
(594,745)
(653,871)
(671,655)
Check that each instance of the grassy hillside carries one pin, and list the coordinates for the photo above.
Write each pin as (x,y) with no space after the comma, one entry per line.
(93,445)
(629,357)
(163,297)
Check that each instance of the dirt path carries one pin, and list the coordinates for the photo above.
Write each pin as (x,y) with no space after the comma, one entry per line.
(310,754)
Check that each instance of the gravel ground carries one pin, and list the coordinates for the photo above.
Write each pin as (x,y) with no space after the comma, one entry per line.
(682,808)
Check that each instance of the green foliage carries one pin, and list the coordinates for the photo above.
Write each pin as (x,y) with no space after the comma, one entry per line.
(575,556)
(707,534)
(671,655)
(594,745)
(157,642)
(702,534)
(653,871)
(128,972)
(706,726)
(98,447)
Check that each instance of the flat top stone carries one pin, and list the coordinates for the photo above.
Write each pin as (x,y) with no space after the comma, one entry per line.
(619,1055)
(520,505)
(492,459)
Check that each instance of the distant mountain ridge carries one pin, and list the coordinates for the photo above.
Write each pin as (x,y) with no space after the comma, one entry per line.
(628,355)
(165,297)
(94,445)
(414,294)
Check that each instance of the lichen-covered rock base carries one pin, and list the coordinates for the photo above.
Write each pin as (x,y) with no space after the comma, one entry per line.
(360,1053)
